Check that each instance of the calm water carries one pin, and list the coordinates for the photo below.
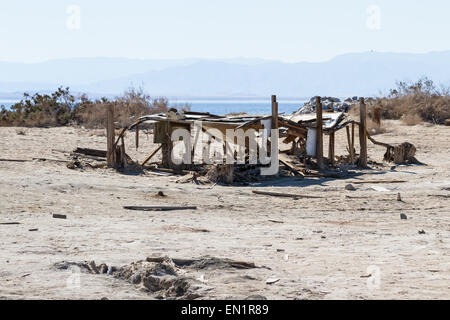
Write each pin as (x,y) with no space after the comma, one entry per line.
(221,107)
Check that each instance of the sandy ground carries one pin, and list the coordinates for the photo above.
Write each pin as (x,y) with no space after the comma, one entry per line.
(335,247)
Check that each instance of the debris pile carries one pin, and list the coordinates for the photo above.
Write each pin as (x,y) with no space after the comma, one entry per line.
(165,277)
(330,104)
(188,135)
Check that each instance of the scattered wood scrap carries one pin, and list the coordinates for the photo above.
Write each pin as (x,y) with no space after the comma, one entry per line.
(9,223)
(59,216)
(445,196)
(289,165)
(54,160)
(285,195)
(14,160)
(377,181)
(91,152)
(159,208)
(204,262)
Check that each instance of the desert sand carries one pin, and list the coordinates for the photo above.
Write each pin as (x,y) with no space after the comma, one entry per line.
(344,245)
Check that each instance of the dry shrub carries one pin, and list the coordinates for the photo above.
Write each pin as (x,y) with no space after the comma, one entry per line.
(414,101)
(62,108)
(128,108)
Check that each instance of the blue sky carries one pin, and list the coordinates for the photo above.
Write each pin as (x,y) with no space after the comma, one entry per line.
(287,30)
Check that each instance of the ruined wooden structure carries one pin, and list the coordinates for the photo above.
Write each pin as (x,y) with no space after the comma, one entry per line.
(305,133)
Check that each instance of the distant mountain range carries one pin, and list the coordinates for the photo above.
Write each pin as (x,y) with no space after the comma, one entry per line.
(361,74)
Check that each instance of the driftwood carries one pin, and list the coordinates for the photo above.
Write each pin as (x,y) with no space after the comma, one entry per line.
(285,195)
(14,160)
(158,208)
(204,262)
(377,181)
(78,155)
(54,160)
(59,216)
(91,152)
(399,154)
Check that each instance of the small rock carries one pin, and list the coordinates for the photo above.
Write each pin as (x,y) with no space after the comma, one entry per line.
(280,250)
(421,231)
(256,297)
(399,197)
(403,216)
(350,187)
(272,280)
(110,270)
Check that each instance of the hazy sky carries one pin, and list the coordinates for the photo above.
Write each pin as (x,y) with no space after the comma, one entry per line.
(288,30)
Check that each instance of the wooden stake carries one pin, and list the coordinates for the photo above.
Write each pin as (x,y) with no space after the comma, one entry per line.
(350,146)
(353,142)
(362,134)
(110,154)
(319,128)
(274,112)
(331,148)
(137,136)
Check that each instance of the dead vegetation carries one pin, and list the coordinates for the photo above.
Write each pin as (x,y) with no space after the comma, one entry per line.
(416,102)
(63,108)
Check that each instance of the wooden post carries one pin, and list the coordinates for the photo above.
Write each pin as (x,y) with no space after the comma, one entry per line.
(274,120)
(353,142)
(331,148)
(362,134)
(274,112)
(137,136)
(319,128)
(123,155)
(110,134)
(350,144)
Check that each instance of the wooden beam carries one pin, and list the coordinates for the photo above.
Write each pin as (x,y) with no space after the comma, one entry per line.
(151,156)
(159,208)
(362,134)
(285,195)
(319,128)
(110,135)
